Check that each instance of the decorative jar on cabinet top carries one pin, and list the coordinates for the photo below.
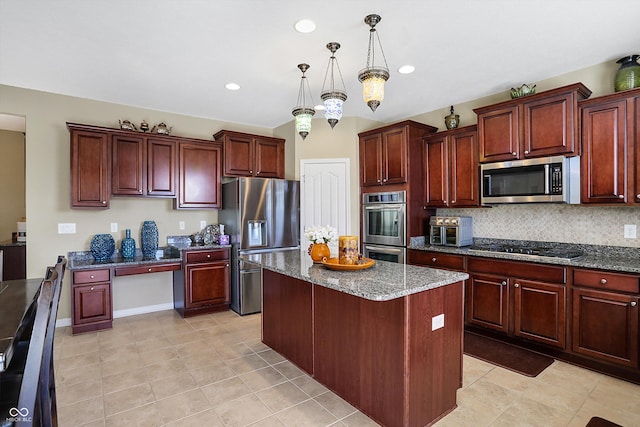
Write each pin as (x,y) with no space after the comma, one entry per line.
(628,75)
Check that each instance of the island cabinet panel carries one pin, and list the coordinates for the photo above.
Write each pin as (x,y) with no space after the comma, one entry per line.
(386,358)
(287,309)
(90,183)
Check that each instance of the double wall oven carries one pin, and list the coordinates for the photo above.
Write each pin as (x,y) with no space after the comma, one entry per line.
(384,221)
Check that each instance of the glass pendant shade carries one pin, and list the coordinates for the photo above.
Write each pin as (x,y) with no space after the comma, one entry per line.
(373,77)
(303,111)
(333,97)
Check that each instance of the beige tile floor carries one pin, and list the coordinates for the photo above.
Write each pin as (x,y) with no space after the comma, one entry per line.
(159,369)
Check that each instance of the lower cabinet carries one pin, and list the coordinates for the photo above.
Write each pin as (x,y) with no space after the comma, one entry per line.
(91,300)
(605,316)
(203,284)
(521,299)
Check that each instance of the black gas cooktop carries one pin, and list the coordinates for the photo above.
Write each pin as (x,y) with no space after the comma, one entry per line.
(530,251)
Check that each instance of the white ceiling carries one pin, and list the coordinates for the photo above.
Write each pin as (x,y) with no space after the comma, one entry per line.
(177,55)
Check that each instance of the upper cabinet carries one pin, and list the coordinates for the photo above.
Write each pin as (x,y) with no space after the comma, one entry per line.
(89,168)
(544,124)
(106,161)
(200,181)
(451,168)
(387,154)
(252,155)
(610,161)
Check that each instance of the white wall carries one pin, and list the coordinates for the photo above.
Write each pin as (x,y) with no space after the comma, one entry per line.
(12,183)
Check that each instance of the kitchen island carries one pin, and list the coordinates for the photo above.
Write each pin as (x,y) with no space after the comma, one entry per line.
(387,339)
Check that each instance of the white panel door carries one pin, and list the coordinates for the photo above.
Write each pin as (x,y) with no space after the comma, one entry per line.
(324,197)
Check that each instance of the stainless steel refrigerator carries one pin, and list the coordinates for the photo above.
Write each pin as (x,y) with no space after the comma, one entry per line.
(259,215)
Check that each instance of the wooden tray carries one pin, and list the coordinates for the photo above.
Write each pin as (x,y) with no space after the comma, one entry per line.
(334,264)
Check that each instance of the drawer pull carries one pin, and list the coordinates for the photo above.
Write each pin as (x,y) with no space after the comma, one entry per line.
(433,259)
(621,196)
(149,270)
(633,303)
(526,151)
(92,288)
(208,255)
(603,281)
(92,277)
(514,153)
(517,285)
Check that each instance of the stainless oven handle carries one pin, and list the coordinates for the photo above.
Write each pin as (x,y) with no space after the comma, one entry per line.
(383,207)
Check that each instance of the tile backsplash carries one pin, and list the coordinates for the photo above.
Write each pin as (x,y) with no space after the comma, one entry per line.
(554,223)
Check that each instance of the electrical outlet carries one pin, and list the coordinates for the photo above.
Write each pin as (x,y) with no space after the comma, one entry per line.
(114,227)
(67,228)
(203,224)
(181,225)
(437,322)
(630,231)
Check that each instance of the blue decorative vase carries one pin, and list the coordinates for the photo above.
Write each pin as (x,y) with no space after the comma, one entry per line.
(128,245)
(102,246)
(149,239)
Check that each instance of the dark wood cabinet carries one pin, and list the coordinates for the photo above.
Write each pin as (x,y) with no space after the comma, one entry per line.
(525,300)
(203,284)
(161,167)
(14,261)
(287,311)
(610,139)
(451,168)
(90,168)
(128,165)
(252,155)
(544,124)
(388,154)
(200,176)
(605,316)
(436,260)
(540,312)
(91,300)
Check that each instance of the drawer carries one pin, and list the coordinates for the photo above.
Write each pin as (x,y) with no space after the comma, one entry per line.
(436,260)
(521,270)
(148,268)
(606,281)
(206,256)
(91,276)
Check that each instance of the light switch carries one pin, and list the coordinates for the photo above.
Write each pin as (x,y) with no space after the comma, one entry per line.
(181,225)
(114,227)
(203,224)
(437,322)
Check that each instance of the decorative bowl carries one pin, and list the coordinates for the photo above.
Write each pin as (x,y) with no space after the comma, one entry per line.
(334,264)
(523,90)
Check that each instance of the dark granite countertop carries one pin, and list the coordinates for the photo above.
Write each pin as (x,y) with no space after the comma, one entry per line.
(84,260)
(612,258)
(384,281)
(10,242)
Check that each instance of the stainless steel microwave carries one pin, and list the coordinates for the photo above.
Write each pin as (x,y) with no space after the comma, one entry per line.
(542,180)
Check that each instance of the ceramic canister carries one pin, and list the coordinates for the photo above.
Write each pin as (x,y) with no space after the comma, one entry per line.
(348,250)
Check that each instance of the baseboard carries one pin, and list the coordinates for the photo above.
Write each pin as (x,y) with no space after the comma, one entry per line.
(125,313)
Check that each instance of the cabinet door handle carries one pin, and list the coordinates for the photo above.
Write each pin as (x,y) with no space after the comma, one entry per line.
(504,283)
(514,153)
(633,303)
(517,285)
(92,288)
(526,151)
(104,202)
(637,196)
(208,255)
(621,196)
(603,281)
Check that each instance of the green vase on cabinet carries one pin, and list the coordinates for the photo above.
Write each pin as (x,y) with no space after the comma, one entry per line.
(628,75)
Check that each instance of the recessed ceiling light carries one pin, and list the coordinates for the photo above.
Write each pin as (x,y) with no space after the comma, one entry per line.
(319,107)
(406,69)
(232,86)
(305,26)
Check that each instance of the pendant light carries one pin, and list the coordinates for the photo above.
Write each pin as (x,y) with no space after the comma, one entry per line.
(333,98)
(373,76)
(303,112)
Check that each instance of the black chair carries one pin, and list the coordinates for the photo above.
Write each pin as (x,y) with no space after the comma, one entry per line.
(31,368)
